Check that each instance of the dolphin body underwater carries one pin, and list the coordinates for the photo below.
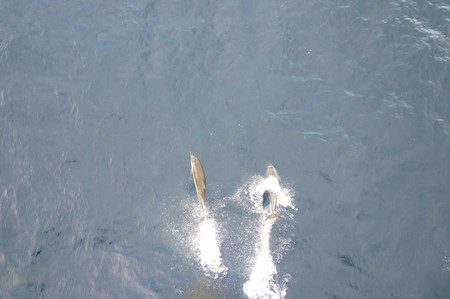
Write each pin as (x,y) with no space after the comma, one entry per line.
(272,196)
(198,174)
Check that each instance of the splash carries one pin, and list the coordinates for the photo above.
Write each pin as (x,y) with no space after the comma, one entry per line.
(200,240)
(284,195)
(446,263)
(207,247)
(264,281)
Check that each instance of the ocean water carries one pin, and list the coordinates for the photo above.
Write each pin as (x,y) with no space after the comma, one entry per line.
(102,101)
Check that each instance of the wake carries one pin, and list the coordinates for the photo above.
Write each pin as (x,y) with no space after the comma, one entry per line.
(207,247)
(264,281)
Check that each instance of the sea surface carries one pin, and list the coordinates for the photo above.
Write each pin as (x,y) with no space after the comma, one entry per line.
(102,101)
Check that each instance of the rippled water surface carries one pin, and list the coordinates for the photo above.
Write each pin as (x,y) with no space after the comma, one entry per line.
(101,102)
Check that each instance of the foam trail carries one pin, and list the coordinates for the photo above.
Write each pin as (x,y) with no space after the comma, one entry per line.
(264,280)
(262,283)
(208,249)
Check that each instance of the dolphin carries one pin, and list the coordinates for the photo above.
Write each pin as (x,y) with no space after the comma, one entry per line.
(272,172)
(198,174)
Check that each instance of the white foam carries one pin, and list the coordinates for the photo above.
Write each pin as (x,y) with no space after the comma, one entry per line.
(446,263)
(208,249)
(264,281)
(284,196)
(201,240)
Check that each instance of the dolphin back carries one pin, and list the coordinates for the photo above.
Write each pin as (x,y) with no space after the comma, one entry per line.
(273,200)
(199,178)
(269,195)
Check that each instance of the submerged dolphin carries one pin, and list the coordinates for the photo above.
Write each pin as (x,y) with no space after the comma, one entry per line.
(198,175)
(272,172)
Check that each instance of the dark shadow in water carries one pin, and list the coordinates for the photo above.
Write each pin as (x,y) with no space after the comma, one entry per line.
(266,199)
(348,261)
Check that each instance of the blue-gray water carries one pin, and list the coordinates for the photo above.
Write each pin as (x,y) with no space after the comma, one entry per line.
(101,102)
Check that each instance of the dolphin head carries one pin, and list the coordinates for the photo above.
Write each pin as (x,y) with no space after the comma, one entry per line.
(271,171)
